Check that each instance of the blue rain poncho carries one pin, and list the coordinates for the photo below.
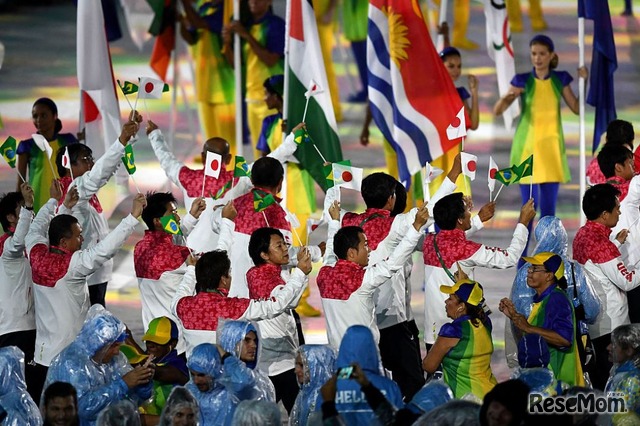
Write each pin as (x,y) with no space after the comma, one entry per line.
(98,384)
(257,413)
(219,402)
(179,399)
(231,337)
(318,363)
(14,398)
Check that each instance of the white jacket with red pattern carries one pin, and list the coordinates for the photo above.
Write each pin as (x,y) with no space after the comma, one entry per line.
(629,215)
(60,281)
(347,289)
(608,274)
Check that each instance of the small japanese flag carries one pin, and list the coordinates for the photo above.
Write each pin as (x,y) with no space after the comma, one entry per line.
(469,165)
(491,178)
(151,88)
(430,173)
(213,164)
(458,127)
(347,176)
(314,89)
(42,143)
(291,218)
(66,160)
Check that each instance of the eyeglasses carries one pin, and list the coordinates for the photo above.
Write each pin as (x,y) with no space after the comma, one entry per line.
(537,269)
(88,159)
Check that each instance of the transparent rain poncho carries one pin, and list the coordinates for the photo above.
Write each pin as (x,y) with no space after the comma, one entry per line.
(179,399)
(122,413)
(319,364)
(218,402)
(432,395)
(98,384)
(551,236)
(14,398)
(257,413)
(230,337)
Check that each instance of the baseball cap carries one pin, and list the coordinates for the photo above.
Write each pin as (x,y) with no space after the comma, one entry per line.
(161,330)
(467,290)
(551,261)
(132,354)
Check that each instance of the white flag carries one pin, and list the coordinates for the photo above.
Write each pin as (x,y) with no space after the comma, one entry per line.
(469,165)
(491,178)
(66,160)
(43,144)
(347,176)
(151,88)
(291,218)
(213,164)
(458,128)
(431,173)
(314,89)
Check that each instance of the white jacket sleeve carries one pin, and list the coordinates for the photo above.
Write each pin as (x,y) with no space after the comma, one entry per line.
(476,225)
(285,151)
(281,298)
(187,224)
(15,245)
(89,183)
(497,258)
(85,262)
(39,230)
(333,194)
(330,257)
(616,271)
(225,240)
(168,161)
(186,288)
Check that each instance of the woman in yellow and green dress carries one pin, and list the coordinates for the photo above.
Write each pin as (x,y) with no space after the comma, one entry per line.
(539,132)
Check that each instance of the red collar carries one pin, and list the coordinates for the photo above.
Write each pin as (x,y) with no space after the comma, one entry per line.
(158,236)
(598,228)
(59,250)
(349,264)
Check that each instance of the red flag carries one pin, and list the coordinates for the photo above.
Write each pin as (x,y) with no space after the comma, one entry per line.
(161,54)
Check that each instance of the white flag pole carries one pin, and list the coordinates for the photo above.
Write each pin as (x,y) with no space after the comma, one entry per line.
(581,99)
(306,105)
(499,191)
(237,70)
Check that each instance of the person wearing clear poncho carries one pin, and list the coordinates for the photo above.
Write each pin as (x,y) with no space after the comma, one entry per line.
(14,398)
(93,364)
(240,338)
(181,409)
(624,352)
(551,236)
(314,366)
(214,382)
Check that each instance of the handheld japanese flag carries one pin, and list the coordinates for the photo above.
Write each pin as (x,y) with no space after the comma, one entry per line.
(430,173)
(8,150)
(458,127)
(66,161)
(213,164)
(469,164)
(151,88)
(347,176)
(314,89)
(491,178)
(170,226)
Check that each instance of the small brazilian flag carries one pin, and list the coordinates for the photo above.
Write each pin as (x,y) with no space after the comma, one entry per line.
(170,225)
(221,191)
(128,87)
(328,171)
(506,176)
(262,200)
(301,136)
(128,160)
(8,150)
(525,169)
(241,168)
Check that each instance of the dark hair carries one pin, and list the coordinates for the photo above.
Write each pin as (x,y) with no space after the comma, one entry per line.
(156,207)
(75,151)
(60,227)
(8,204)
(60,390)
(476,313)
(377,188)
(275,85)
(513,394)
(598,199)
(210,268)
(54,111)
(267,172)
(610,155)
(401,200)
(346,238)
(449,51)
(448,210)
(259,243)
(620,132)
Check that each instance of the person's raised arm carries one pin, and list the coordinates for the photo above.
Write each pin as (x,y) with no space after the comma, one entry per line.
(39,230)
(228,216)
(474,108)
(14,246)
(168,161)
(505,102)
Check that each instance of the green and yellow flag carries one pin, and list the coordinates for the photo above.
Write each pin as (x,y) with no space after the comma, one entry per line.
(525,169)
(241,168)
(221,191)
(301,136)
(128,160)
(8,150)
(169,225)
(328,171)
(262,200)
(128,87)
(514,173)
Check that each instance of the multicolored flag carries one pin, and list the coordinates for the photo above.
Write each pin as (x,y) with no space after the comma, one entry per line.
(170,225)
(8,150)
(347,176)
(411,110)
(525,168)
(151,88)
(514,173)
(262,200)
(128,87)
(469,164)
(301,136)
(305,65)
(163,28)
(506,176)
(213,164)
(491,177)
(241,168)
(500,51)
(328,172)
(129,160)
(222,191)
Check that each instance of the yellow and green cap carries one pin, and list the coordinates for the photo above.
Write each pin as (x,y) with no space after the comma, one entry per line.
(467,290)
(161,330)
(551,262)
(132,354)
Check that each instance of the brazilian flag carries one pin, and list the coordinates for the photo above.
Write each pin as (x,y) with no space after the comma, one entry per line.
(241,168)
(128,160)
(328,171)
(169,225)
(221,191)
(262,200)
(8,150)
(507,176)
(301,136)
(525,169)
(128,87)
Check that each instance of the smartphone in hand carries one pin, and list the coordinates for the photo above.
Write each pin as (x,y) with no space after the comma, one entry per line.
(345,372)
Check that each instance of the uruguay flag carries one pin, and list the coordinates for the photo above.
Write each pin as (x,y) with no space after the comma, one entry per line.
(411,96)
